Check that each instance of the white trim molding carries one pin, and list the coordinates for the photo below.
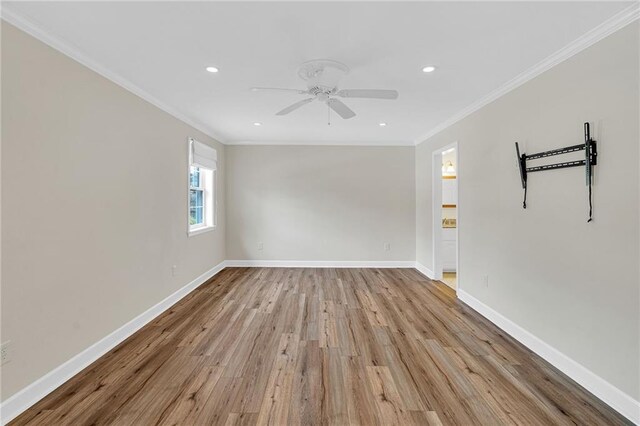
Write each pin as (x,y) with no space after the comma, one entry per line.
(320,264)
(37,390)
(424,270)
(605,391)
(25,398)
(608,27)
(322,143)
(39,32)
(611,25)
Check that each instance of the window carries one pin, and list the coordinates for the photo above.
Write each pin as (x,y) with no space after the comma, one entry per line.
(202,168)
(196,198)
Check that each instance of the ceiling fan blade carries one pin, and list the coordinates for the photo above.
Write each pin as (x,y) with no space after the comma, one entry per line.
(295,106)
(368,93)
(340,108)
(260,89)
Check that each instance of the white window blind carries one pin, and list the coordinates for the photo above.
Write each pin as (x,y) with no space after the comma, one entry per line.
(203,155)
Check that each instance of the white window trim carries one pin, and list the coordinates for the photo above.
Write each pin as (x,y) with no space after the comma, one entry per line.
(200,230)
(203,228)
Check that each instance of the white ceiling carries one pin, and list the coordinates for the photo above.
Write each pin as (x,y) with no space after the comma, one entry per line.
(164,47)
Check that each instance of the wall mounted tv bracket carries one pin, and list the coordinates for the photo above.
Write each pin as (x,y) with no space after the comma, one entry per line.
(590,159)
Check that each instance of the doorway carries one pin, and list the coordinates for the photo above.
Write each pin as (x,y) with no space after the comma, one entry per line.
(445,215)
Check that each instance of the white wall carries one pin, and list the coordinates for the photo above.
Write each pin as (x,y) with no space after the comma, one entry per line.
(574,285)
(331,203)
(94,209)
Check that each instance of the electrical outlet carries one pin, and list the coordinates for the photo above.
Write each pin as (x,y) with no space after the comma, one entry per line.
(4,352)
(485,281)
(174,270)
(387,246)
(260,246)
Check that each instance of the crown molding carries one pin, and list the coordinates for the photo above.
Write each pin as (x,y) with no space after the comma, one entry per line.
(606,28)
(320,143)
(38,31)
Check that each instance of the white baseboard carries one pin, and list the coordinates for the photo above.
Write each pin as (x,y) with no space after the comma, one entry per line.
(602,389)
(424,270)
(319,264)
(25,398)
(614,397)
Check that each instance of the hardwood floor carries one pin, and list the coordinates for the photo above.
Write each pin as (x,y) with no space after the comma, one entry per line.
(450,278)
(320,346)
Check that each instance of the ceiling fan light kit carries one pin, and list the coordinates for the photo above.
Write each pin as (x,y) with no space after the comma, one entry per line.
(322,77)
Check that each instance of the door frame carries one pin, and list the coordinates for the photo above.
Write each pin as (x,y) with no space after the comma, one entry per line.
(436,203)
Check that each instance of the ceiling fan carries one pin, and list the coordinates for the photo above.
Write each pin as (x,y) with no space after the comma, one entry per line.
(322,77)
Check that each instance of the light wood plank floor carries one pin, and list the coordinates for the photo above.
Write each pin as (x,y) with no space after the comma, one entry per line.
(450,278)
(320,346)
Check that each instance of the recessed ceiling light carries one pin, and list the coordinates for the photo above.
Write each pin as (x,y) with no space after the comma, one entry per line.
(429,68)
(257,124)
(382,124)
(212,69)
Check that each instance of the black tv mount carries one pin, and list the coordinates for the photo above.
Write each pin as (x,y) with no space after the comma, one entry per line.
(590,159)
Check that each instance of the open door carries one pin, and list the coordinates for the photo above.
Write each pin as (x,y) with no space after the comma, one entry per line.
(445,215)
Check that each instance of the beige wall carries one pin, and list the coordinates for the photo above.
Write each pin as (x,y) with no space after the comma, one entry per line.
(332,203)
(94,208)
(106,172)
(572,284)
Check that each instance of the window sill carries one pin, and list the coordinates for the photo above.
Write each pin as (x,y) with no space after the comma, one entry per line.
(202,230)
